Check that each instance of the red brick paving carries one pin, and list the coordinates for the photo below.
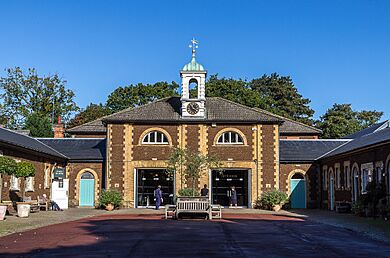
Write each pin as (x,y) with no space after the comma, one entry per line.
(249,235)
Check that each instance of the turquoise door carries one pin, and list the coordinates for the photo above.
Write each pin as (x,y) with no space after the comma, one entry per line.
(87,190)
(298,193)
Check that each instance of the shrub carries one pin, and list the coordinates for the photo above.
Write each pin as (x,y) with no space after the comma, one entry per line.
(25,169)
(271,198)
(7,165)
(110,196)
(186,192)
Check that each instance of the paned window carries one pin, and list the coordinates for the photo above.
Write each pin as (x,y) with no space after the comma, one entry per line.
(155,137)
(324,178)
(29,184)
(338,177)
(365,179)
(347,172)
(230,138)
(47,176)
(14,184)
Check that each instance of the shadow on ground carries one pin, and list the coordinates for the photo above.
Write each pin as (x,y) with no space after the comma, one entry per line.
(238,235)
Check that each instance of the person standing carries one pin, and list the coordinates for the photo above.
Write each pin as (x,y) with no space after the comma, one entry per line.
(158,197)
(233,197)
(204,191)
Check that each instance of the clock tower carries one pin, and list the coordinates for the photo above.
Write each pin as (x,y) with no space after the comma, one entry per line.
(193,79)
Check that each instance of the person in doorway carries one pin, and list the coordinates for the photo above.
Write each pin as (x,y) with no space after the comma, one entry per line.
(233,197)
(204,191)
(158,197)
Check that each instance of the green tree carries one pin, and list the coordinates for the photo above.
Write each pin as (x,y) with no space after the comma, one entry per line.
(341,120)
(39,126)
(273,93)
(190,165)
(234,90)
(140,94)
(90,113)
(8,166)
(279,95)
(25,93)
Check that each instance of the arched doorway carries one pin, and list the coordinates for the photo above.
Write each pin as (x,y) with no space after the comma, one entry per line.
(331,189)
(87,189)
(298,191)
(355,186)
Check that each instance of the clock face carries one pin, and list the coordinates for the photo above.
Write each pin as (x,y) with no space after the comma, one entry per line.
(192,108)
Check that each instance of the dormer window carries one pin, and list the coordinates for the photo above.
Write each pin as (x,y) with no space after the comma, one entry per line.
(230,138)
(155,137)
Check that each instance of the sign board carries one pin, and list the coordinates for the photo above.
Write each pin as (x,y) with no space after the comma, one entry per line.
(59,173)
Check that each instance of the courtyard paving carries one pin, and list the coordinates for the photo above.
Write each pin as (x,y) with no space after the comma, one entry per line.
(241,233)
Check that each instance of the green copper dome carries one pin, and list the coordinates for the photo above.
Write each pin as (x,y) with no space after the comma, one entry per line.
(193,66)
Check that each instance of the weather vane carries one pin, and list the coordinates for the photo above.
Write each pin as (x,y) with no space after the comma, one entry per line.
(194,46)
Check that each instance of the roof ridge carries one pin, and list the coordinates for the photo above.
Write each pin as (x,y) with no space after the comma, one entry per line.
(134,108)
(27,147)
(292,120)
(323,155)
(243,106)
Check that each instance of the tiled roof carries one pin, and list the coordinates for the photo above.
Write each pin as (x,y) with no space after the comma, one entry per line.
(95,126)
(167,110)
(27,142)
(364,141)
(290,126)
(306,150)
(78,149)
(368,130)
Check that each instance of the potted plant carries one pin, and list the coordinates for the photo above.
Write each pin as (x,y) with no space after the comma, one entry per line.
(7,166)
(24,169)
(110,199)
(271,200)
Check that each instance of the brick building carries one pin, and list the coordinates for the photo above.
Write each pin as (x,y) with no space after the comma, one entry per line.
(128,151)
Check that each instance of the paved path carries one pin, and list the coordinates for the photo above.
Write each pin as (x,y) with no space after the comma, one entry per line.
(147,235)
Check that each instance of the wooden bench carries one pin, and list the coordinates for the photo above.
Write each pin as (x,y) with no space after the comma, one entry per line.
(193,205)
(216,211)
(170,211)
(43,203)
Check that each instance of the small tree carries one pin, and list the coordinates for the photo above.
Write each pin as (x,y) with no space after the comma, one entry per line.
(190,165)
(24,169)
(7,166)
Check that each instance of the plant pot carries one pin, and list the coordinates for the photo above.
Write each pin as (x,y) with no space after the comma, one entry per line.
(3,210)
(23,210)
(109,207)
(276,207)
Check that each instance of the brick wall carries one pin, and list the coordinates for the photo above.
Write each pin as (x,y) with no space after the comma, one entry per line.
(379,154)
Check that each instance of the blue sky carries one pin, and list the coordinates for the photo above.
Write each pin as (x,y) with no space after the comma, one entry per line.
(335,51)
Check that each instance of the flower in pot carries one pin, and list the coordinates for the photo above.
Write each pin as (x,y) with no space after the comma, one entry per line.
(271,200)
(110,199)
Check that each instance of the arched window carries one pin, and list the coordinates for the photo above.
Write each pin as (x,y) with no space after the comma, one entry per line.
(87,175)
(230,138)
(155,137)
(297,176)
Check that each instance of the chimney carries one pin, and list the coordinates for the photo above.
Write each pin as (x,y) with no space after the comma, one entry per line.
(58,129)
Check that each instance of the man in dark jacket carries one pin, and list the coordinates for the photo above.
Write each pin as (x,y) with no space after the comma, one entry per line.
(158,197)
(204,191)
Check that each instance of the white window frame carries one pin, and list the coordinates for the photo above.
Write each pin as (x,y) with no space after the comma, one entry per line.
(366,170)
(337,173)
(347,173)
(47,172)
(379,171)
(29,184)
(14,184)
(325,178)
(239,140)
(164,139)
